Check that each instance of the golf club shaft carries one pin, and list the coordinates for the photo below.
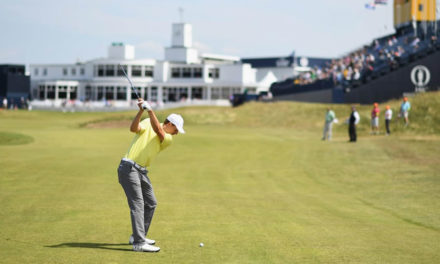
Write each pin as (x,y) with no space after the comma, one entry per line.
(131,84)
(144,106)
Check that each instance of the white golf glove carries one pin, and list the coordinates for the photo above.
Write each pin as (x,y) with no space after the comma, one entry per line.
(146,105)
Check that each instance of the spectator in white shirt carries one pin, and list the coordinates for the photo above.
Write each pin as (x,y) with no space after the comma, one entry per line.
(388,117)
(352,121)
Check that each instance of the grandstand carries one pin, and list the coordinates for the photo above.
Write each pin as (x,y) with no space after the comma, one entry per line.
(381,70)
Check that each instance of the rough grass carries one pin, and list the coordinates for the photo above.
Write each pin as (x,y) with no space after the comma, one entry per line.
(255,184)
(424,116)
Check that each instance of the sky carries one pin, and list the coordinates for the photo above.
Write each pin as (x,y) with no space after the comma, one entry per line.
(61,31)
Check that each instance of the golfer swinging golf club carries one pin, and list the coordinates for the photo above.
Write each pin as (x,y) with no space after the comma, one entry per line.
(151,138)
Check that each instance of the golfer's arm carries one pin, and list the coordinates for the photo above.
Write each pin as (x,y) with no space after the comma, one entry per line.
(135,127)
(156,125)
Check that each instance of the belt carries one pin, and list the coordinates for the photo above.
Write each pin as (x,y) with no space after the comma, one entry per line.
(137,166)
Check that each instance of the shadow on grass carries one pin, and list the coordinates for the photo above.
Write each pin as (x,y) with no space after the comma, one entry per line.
(90,245)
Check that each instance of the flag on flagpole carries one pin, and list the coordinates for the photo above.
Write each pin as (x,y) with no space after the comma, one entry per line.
(370,6)
(380,2)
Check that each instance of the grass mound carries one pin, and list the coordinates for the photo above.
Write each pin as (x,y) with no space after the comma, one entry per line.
(10,138)
(424,116)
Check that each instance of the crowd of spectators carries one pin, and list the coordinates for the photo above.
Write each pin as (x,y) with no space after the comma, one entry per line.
(368,62)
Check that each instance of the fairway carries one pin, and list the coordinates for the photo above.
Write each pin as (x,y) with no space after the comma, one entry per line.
(255,184)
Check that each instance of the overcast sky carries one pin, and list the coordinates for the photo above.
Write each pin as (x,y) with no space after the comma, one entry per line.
(60,31)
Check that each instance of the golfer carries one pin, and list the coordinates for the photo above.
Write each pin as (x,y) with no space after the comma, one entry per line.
(151,138)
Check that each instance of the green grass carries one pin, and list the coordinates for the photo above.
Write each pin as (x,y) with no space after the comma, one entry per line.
(255,184)
(7,138)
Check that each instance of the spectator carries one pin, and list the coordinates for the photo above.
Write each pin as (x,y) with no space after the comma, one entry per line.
(22,103)
(356,74)
(375,119)
(390,42)
(404,110)
(377,46)
(415,42)
(388,117)
(329,119)
(352,121)
(433,40)
(5,103)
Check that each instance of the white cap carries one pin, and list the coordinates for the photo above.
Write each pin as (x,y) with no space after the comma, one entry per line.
(177,120)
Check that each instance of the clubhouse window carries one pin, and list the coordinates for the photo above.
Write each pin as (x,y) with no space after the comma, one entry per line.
(73,92)
(136,70)
(100,70)
(41,89)
(51,92)
(62,92)
(214,73)
(36,71)
(121,93)
(100,92)
(148,71)
(175,72)
(133,94)
(186,72)
(44,71)
(82,71)
(153,93)
(225,92)
(88,93)
(109,93)
(145,94)
(120,72)
(109,70)
(64,71)
(73,71)
(236,90)
(197,72)
(215,93)
(196,93)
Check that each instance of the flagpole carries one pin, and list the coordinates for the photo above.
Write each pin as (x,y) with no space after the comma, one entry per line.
(436,21)
(414,22)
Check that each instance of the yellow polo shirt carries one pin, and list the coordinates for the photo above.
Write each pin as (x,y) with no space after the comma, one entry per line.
(146,144)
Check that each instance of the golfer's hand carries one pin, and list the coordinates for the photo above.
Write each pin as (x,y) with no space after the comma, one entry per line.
(143,105)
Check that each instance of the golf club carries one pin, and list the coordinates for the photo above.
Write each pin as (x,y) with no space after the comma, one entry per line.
(131,85)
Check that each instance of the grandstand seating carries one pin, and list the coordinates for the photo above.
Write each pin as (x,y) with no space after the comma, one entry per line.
(384,55)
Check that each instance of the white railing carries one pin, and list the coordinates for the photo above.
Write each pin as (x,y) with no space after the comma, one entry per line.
(110,106)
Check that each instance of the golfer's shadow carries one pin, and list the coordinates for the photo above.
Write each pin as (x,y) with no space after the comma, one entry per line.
(106,246)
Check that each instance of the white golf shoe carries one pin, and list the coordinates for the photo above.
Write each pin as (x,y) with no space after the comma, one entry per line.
(146,248)
(148,241)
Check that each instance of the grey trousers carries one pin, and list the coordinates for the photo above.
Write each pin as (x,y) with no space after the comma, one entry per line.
(140,197)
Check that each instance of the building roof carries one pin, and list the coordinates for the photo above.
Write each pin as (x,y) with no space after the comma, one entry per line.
(287,61)
(313,62)
(210,56)
(270,62)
